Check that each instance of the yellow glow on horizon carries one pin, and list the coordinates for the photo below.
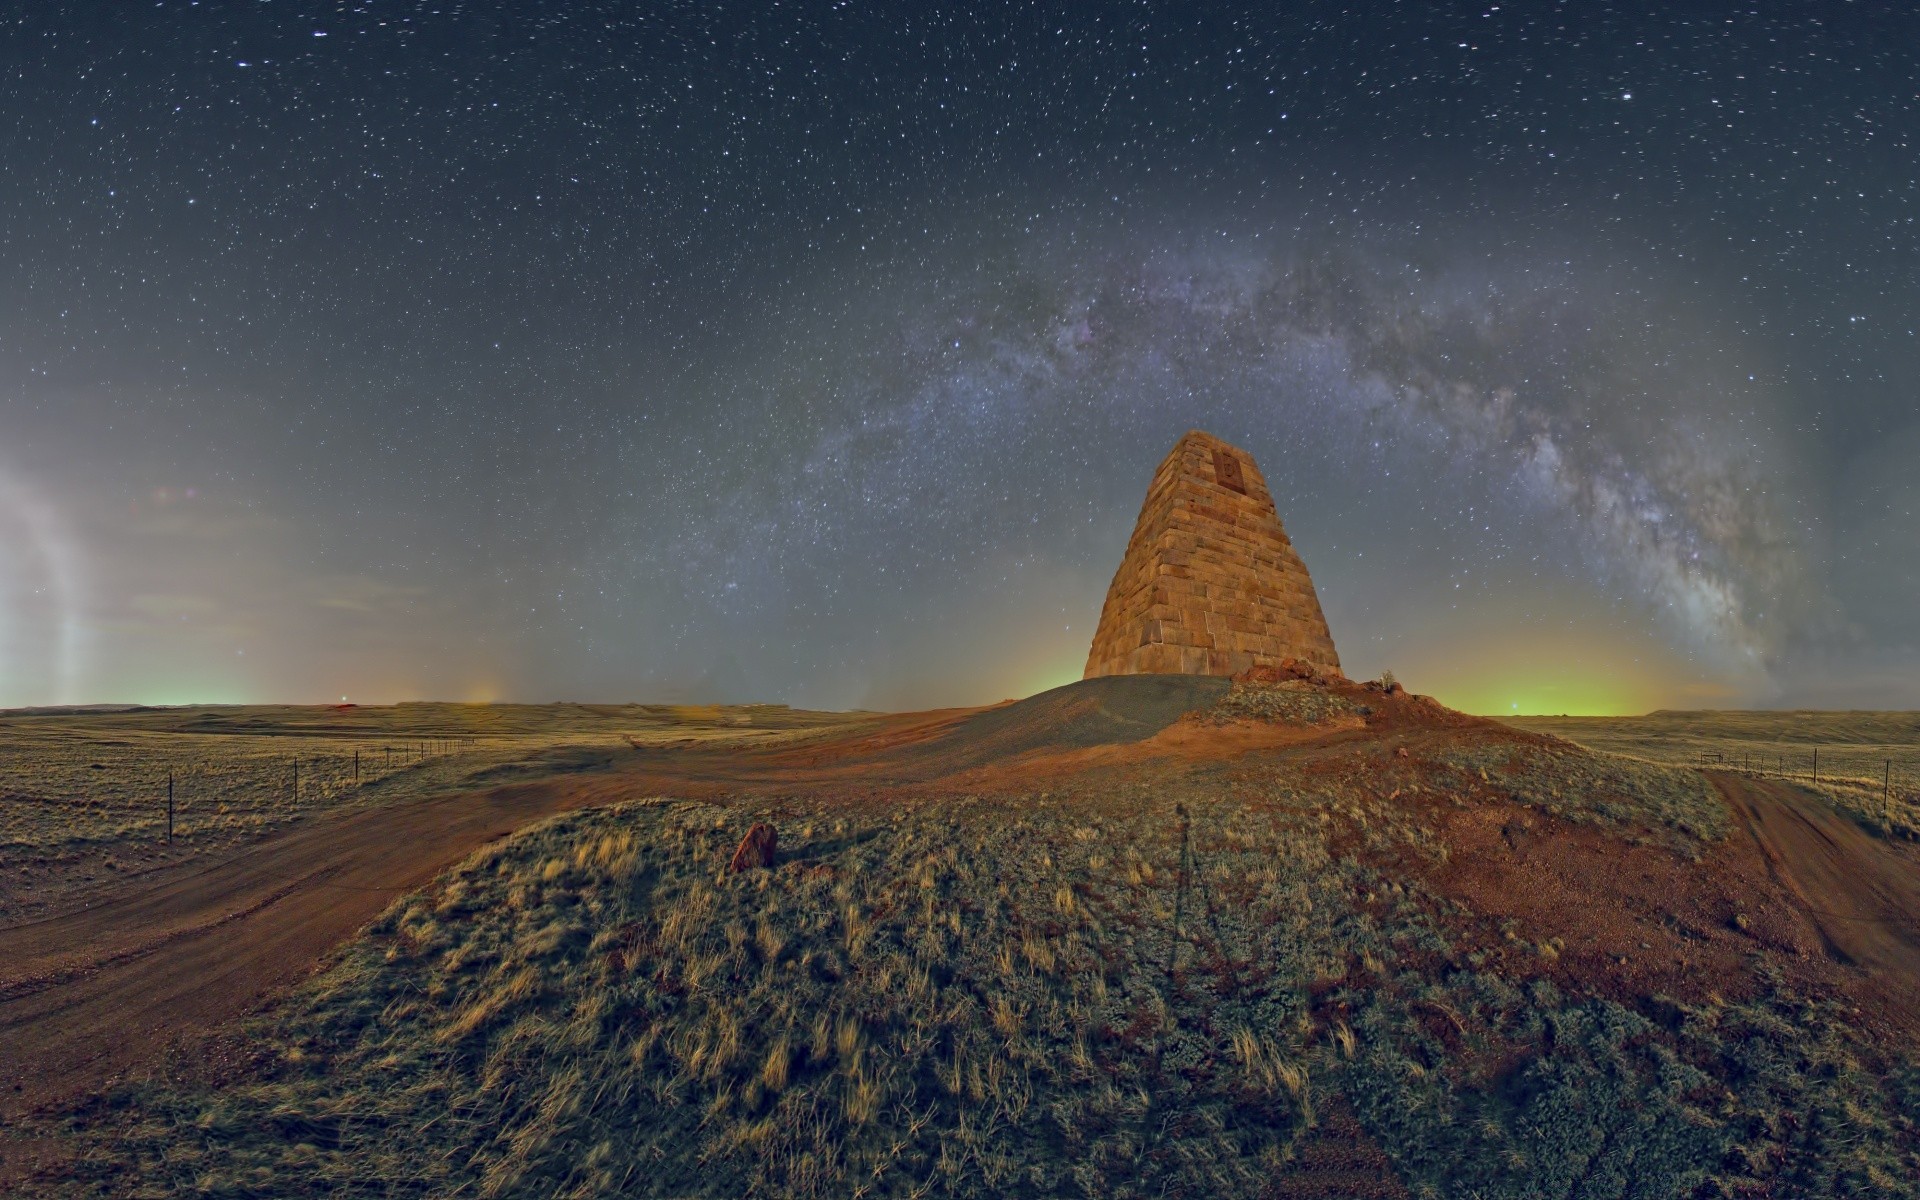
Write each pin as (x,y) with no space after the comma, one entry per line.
(1543,673)
(1573,698)
(481,692)
(1046,675)
(187,689)
(210,697)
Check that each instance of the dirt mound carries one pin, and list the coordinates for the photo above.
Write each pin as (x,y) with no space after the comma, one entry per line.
(1108,724)
(1124,710)
(1177,935)
(1115,710)
(1371,962)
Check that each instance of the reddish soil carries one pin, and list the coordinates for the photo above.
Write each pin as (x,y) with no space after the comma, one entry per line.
(87,995)
(1630,920)
(1338,1159)
(1807,889)
(1861,892)
(172,957)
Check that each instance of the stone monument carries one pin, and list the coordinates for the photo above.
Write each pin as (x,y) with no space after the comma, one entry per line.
(1210,585)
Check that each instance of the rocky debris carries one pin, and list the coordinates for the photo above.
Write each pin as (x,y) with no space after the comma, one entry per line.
(1285,670)
(1210,583)
(1296,702)
(756,850)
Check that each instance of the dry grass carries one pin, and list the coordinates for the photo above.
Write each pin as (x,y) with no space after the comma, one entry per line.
(1569,781)
(894,1009)
(1085,992)
(1868,762)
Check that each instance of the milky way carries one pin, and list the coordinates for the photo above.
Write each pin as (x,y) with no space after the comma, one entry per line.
(823,355)
(1589,448)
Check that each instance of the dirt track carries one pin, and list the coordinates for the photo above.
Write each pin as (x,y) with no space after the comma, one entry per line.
(1862,893)
(166,958)
(86,995)
(92,994)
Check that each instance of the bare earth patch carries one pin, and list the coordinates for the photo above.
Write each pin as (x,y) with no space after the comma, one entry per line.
(1338,943)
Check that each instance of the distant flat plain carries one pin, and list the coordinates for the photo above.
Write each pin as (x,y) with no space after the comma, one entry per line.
(1867,763)
(83,792)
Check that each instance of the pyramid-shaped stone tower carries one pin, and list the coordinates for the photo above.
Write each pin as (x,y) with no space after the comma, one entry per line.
(1210,584)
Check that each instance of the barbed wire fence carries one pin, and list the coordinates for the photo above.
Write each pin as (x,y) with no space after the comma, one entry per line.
(302,781)
(74,809)
(1878,782)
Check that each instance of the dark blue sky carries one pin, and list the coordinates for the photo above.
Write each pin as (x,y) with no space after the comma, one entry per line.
(821,352)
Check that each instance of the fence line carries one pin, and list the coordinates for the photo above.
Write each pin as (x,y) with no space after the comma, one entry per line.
(1884,778)
(326,776)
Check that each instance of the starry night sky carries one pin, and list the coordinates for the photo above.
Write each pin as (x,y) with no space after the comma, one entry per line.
(821,352)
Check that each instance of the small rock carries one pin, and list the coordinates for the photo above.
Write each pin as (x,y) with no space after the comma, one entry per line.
(1518,834)
(1401,753)
(756,849)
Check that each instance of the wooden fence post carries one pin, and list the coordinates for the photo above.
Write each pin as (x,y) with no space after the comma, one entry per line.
(169,808)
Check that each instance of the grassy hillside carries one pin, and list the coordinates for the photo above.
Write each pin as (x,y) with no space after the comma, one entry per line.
(1159,981)
(1867,763)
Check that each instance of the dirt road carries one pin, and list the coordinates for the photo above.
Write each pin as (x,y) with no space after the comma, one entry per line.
(86,995)
(1862,892)
(90,994)
(167,958)
(95,993)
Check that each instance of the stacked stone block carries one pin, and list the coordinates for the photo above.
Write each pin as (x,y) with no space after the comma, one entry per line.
(1210,585)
